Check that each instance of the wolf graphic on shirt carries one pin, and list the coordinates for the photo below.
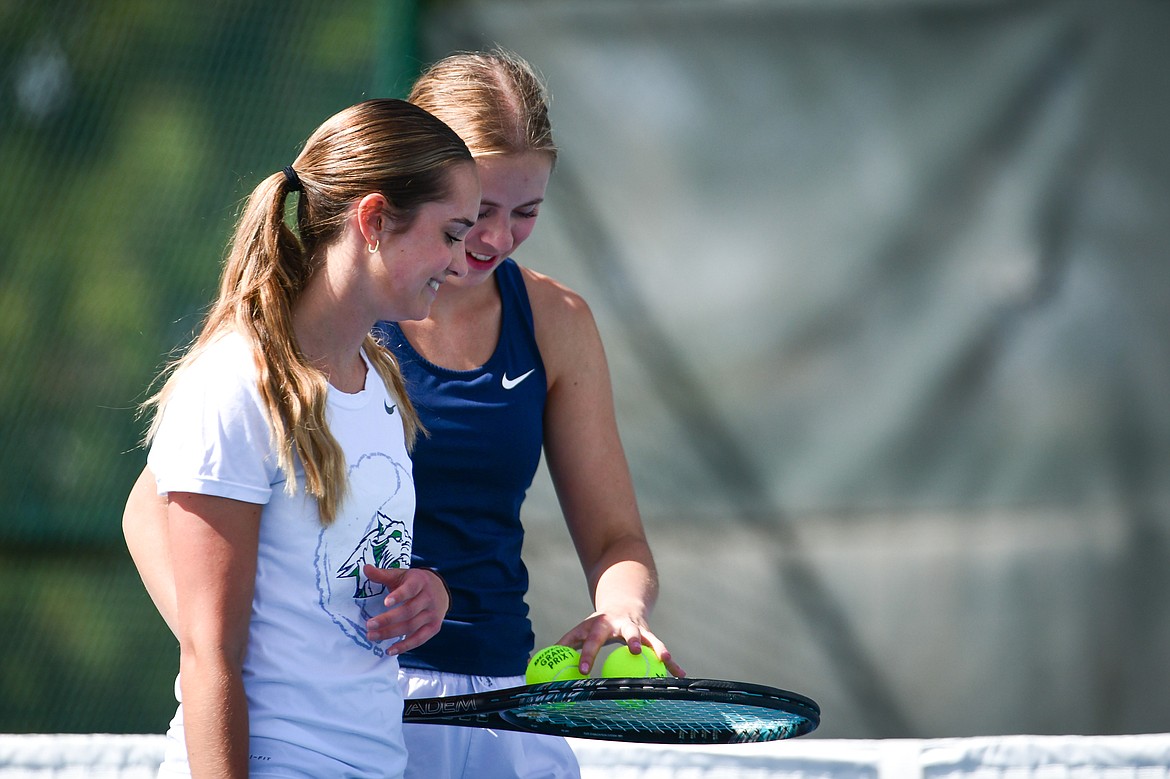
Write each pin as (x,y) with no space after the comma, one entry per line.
(382,547)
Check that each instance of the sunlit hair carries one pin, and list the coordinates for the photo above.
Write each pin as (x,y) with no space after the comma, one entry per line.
(494,100)
(386,146)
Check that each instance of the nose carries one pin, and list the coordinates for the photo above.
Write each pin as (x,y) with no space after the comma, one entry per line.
(496,234)
(458,265)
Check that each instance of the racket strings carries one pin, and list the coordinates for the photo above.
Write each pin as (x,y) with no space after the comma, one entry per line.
(700,721)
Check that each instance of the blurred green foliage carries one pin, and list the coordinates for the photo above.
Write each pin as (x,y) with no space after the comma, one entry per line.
(130,132)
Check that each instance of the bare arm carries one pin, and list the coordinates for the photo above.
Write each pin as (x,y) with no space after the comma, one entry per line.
(213,543)
(144,524)
(592,479)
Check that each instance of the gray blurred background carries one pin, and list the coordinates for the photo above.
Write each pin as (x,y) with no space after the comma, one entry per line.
(881,283)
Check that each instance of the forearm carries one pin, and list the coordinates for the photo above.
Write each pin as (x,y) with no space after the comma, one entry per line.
(215,717)
(624,581)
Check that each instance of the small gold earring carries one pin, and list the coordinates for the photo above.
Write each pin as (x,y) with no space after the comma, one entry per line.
(373,248)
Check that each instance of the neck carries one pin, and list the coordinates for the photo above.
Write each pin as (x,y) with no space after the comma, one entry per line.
(330,330)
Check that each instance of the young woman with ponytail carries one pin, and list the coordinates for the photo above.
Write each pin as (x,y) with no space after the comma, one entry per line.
(279,442)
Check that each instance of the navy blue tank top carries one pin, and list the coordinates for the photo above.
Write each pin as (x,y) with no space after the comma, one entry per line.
(471,475)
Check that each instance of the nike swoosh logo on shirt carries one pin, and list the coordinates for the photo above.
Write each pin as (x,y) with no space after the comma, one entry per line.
(511,383)
(389,408)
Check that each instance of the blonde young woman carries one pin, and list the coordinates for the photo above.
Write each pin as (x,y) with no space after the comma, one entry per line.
(510,363)
(280,444)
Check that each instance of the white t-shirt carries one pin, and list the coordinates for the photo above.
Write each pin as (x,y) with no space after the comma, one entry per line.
(323,700)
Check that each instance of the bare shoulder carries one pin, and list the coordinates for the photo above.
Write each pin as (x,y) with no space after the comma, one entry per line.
(551,296)
(554,305)
(565,329)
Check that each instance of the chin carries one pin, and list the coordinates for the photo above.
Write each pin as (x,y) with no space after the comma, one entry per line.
(475,276)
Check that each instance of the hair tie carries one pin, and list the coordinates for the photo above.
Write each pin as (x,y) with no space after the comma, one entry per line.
(294,181)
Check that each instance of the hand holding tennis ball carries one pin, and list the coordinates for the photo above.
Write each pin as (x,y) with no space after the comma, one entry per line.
(554,663)
(622,663)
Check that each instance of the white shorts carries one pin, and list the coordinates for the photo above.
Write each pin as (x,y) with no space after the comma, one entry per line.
(448,752)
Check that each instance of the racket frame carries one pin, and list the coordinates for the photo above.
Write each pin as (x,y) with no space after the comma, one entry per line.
(512,708)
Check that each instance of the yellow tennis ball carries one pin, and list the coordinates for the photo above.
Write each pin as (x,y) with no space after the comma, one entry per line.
(554,663)
(622,663)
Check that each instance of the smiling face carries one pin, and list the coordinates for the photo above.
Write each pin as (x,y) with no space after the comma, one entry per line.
(415,262)
(513,190)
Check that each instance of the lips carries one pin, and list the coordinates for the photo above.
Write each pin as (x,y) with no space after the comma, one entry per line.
(481,261)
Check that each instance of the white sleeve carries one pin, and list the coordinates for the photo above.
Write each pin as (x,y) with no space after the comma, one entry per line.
(214,437)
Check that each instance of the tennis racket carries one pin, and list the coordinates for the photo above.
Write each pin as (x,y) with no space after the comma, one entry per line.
(652,711)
